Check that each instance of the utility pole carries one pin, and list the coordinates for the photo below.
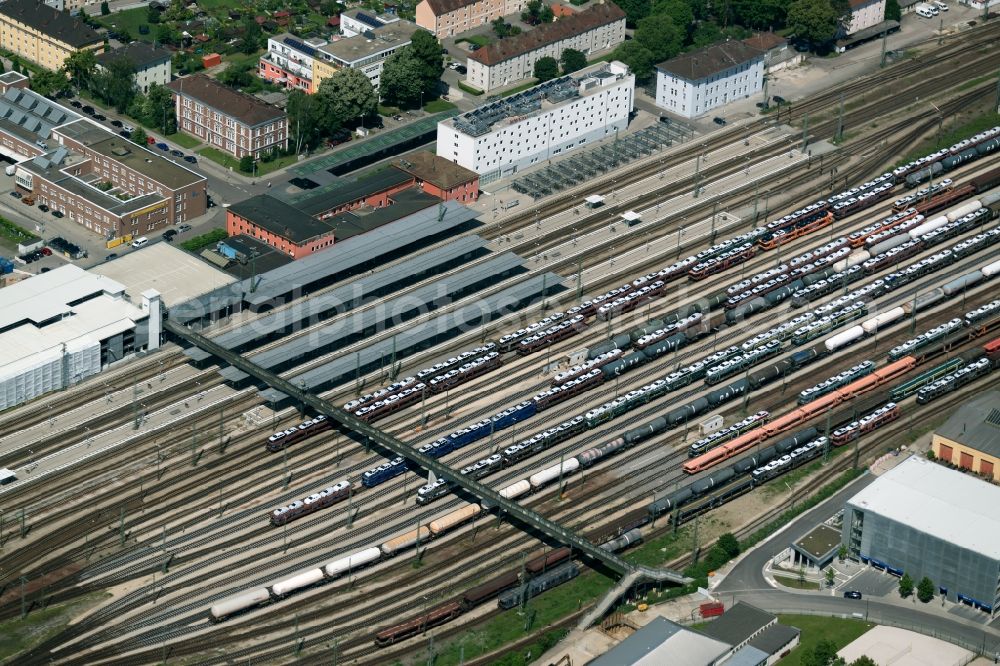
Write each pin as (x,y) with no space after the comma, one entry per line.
(697,169)
(121,526)
(840,120)
(805,132)
(885,36)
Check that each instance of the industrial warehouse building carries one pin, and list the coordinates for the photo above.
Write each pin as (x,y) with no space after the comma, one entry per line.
(60,327)
(501,137)
(905,522)
(970,439)
(694,83)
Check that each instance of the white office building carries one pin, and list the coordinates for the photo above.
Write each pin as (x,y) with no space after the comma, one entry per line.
(693,84)
(60,327)
(367,52)
(499,138)
(356,21)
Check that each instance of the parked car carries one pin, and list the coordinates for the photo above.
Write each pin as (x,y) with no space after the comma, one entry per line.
(461,69)
(111,256)
(28,200)
(127,127)
(43,208)
(88,109)
(163,146)
(176,153)
(169,234)
(719,121)
(124,134)
(191,158)
(45,269)
(852,594)
(76,104)
(116,123)
(16,194)
(150,140)
(100,116)
(184,227)
(57,213)
(46,251)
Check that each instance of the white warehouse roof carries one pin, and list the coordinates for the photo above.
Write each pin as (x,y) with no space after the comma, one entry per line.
(927,497)
(67,306)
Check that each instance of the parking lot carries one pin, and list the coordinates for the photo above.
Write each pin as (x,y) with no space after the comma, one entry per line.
(872,583)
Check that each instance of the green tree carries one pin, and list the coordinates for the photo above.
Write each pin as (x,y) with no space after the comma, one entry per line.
(329,8)
(893,11)
(730,544)
(139,136)
(831,576)
(251,38)
(661,36)
(115,84)
(638,58)
(760,14)
(105,10)
(158,108)
(864,660)
(905,586)
(823,654)
(572,60)
(236,75)
(842,8)
(812,21)
(302,120)
(427,50)
(925,589)
(400,83)
(247,164)
(81,67)
(679,11)
(166,35)
(842,552)
(705,34)
(536,12)
(546,68)
(49,83)
(635,10)
(152,15)
(343,97)
(2,68)
(503,29)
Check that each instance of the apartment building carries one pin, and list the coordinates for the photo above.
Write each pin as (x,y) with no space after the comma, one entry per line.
(497,139)
(693,84)
(865,14)
(43,34)
(598,28)
(289,62)
(447,18)
(356,22)
(152,63)
(227,119)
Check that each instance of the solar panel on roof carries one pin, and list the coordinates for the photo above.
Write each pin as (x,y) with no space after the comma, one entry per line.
(368,20)
(301,46)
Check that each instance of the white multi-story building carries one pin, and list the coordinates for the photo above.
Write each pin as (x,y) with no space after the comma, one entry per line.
(356,22)
(363,52)
(152,63)
(693,84)
(289,61)
(506,61)
(865,14)
(550,119)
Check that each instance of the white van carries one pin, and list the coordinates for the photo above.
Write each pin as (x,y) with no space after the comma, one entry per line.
(943,6)
(139,242)
(923,10)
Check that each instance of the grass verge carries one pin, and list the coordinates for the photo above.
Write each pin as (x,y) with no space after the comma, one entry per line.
(816,628)
(230,162)
(953,135)
(438,106)
(199,243)
(129,20)
(11,234)
(17,636)
(796,583)
(183,140)
(469,89)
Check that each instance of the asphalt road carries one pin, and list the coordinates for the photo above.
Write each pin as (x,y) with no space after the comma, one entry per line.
(746,582)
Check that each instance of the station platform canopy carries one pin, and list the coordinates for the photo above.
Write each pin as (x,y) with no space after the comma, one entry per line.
(631,216)
(416,338)
(342,332)
(594,200)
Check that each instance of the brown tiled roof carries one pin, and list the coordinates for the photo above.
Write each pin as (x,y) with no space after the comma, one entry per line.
(435,170)
(550,33)
(233,103)
(765,41)
(442,7)
(710,60)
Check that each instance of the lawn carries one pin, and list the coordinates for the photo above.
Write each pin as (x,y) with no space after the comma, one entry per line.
(263,168)
(210,5)
(816,628)
(952,135)
(184,140)
(796,583)
(12,234)
(438,106)
(205,240)
(479,40)
(129,20)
